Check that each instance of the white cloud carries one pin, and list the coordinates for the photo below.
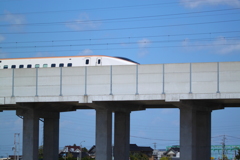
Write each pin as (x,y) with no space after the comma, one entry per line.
(86,52)
(13,19)
(197,3)
(143,44)
(220,45)
(231,48)
(83,23)
(143,52)
(227,46)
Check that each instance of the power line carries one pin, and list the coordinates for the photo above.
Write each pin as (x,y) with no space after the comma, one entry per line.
(129,37)
(223,147)
(159,47)
(217,136)
(124,18)
(233,137)
(103,8)
(129,28)
(226,126)
(115,43)
(173,17)
(153,138)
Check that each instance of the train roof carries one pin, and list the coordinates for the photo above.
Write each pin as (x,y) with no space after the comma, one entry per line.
(53,57)
(127,59)
(123,58)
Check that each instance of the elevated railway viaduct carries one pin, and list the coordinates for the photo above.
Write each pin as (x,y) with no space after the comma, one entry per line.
(196,89)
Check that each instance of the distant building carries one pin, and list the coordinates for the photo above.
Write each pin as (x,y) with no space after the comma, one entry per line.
(92,151)
(74,150)
(11,157)
(133,149)
(158,153)
(141,149)
(173,151)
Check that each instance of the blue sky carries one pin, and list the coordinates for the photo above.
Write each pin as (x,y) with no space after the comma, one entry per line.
(149,32)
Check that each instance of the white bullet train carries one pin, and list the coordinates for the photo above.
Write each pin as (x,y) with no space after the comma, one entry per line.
(65,61)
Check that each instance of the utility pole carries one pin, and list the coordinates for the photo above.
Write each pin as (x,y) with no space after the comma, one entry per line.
(155,145)
(7,156)
(80,151)
(16,145)
(223,147)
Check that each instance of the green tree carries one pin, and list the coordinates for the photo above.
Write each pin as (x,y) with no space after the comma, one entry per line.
(138,156)
(87,158)
(165,158)
(84,149)
(69,155)
(40,152)
(224,157)
(238,154)
(71,158)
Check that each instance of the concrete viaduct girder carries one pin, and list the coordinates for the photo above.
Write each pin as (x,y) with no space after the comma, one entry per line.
(196,89)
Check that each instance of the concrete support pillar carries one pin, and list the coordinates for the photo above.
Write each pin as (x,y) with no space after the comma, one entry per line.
(203,135)
(103,134)
(195,133)
(121,135)
(51,137)
(30,134)
(187,134)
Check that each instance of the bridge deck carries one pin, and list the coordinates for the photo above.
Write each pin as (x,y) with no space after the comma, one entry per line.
(151,86)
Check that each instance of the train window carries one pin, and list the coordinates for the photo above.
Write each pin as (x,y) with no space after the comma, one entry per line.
(61,65)
(37,65)
(99,61)
(53,65)
(45,65)
(87,61)
(69,64)
(29,66)
(21,66)
(13,66)
(5,67)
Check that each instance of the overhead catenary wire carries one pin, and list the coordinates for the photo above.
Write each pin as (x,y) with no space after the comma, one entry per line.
(105,8)
(152,138)
(117,43)
(128,37)
(90,21)
(206,45)
(233,137)
(88,9)
(123,18)
(132,37)
(127,28)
